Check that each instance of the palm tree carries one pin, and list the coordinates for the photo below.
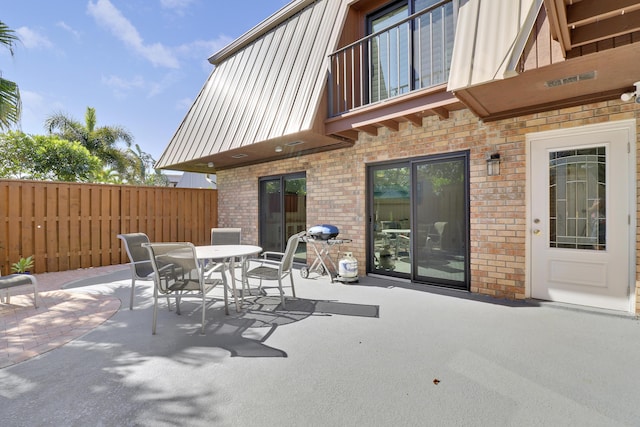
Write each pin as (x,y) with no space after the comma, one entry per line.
(100,141)
(10,105)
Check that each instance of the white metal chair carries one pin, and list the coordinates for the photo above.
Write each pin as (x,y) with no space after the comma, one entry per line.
(177,274)
(141,268)
(434,240)
(270,269)
(17,280)
(226,236)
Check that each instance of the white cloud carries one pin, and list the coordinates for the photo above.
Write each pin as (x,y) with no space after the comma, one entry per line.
(35,109)
(67,28)
(184,104)
(31,39)
(108,16)
(120,83)
(203,49)
(122,87)
(175,4)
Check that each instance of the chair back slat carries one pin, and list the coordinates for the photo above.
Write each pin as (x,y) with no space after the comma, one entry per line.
(137,253)
(290,251)
(175,266)
(226,236)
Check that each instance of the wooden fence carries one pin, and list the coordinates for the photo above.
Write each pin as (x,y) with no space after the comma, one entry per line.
(67,226)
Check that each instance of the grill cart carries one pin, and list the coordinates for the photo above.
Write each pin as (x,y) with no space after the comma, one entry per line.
(322,239)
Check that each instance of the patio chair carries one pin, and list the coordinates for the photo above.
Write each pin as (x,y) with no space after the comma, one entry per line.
(7,283)
(226,236)
(271,269)
(141,268)
(434,239)
(177,274)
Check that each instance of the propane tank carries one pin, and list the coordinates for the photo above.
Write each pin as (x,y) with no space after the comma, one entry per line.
(348,266)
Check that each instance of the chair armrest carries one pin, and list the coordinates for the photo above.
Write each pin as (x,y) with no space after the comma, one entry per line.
(269,261)
(267,253)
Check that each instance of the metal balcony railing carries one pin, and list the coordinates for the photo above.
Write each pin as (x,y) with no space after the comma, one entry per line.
(413,54)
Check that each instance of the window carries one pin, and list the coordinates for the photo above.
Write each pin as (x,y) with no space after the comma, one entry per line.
(410,46)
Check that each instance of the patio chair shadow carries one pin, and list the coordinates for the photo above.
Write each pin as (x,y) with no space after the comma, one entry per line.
(241,334)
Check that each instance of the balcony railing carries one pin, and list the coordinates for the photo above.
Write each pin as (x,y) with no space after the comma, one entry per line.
(413,54)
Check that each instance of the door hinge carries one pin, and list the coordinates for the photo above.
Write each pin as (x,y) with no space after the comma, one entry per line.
(628,147)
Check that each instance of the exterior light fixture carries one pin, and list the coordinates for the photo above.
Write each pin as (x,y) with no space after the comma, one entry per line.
(278,149)
(210,164)
(493,164)
(628,96)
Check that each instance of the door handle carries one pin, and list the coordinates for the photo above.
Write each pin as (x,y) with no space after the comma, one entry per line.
(536,232)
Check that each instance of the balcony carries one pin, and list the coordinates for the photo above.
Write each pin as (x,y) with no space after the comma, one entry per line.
(394,63)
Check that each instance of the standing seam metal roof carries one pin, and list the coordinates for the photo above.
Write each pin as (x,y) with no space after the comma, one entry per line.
(269,87)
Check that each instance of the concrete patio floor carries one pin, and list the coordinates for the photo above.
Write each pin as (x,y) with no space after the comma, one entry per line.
(373,353)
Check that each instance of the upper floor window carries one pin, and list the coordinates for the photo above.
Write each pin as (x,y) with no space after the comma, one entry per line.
(408,46)
(411,42)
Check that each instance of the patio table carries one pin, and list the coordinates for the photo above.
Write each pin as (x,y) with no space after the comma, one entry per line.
(228,255)
(396,232)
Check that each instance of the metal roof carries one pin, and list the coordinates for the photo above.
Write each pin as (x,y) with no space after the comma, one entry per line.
(267,84)
(481,55)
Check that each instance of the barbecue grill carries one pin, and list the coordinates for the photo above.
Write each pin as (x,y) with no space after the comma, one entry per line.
(322,238)
(323,232)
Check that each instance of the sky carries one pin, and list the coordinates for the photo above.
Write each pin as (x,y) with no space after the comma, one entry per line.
(139,63)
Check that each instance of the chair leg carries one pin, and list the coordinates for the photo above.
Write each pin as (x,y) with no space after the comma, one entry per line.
(293,288)
(133,285)
(281,293)
(226,297)
(204,307)
(35,291)
(155,313)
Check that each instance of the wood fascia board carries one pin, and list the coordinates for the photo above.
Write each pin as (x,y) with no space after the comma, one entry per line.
(557,15)
(467,98)
(378,114)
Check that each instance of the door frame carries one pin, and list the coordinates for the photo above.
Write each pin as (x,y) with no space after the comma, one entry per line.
(410,163)
(627,125)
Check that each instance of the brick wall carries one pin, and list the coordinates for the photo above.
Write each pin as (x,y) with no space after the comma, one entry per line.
(336,182)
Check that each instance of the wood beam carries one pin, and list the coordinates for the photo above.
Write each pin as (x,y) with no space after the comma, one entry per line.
(601,30)
(349,134)
(443,113)
(370,129)
(414,118)
(391,125)
(589,12)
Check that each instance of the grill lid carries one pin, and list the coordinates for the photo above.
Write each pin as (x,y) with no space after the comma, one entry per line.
(323,232)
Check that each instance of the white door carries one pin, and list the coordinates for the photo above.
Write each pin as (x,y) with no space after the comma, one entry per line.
(580,216)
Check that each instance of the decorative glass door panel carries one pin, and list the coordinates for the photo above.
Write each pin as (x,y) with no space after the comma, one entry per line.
(577,199)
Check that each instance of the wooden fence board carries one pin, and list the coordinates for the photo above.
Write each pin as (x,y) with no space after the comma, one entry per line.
(73,225)
(39,219)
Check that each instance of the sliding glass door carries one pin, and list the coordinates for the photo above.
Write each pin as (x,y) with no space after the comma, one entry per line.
(283,211)
(420,220)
